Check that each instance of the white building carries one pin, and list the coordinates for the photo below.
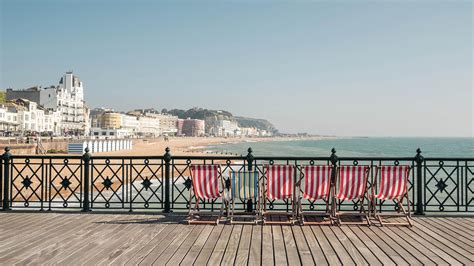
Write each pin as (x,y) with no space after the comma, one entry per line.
(131,123)
(168,123)
(28,116)
(149,126)
(67,98)
(8,119)
(226,128)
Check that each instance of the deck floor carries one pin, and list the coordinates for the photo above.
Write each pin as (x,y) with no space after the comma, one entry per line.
(75,238)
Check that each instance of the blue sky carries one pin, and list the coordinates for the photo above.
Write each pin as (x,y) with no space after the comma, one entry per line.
(365,68)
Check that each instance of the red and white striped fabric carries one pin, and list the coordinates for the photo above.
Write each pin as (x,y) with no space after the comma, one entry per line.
(280,180)
(317,180)
(205,181)
(352,182)
(393,182)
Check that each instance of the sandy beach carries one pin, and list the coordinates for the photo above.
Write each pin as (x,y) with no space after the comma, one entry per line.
(190,145)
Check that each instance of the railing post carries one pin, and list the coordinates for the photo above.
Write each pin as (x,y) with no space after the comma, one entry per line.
(6,179)
(167,159)
(333,158)
(419,182)
(249,159)
(86,157)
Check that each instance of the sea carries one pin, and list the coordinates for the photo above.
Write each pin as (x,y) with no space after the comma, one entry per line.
(364,146)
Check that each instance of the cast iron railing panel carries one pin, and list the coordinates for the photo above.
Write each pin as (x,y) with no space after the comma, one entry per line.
(163,183)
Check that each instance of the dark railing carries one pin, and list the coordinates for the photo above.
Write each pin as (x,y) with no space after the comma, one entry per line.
(132,183)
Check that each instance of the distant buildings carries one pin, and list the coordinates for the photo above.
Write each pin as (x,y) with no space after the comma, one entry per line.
(67,98)
(60,110)
(140,123)
(27,116)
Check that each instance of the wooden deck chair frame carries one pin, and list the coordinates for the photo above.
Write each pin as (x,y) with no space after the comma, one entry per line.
(363,212)
(327,214)
(406,213)
(291,214)
(194,207)
(233,198)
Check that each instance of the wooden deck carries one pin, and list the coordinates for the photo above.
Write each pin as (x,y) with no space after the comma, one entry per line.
(74,238)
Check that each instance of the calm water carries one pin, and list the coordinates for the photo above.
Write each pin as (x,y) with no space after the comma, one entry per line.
(431,147)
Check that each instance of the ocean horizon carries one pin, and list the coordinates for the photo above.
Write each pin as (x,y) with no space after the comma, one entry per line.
(356,146)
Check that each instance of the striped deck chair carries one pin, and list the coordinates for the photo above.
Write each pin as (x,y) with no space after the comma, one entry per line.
(205,186)
(316,185)
(244,188)
(279,185)
(391,182)
(352,185)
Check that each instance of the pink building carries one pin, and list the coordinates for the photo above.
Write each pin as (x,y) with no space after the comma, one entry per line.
(191,127)
(179,126)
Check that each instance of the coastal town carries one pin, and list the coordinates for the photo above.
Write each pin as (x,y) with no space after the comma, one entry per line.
(61,111)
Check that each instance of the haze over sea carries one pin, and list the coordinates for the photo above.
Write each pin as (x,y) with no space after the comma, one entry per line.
(387,146)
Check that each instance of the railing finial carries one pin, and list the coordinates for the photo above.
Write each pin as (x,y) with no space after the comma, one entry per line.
(333,158)
(167,156)
(86,156)
(418,157)
(249,158)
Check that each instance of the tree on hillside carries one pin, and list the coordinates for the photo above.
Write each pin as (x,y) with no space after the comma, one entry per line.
(3,96)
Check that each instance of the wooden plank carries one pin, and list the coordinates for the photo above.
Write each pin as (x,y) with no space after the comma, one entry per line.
(131,247)
(292,254)
(314,246)
(156,246)
(279,250)
(330,253)
(396,245)
(457,223)
(461,227)
(358,245)
(244,246)
(255,254)
(211,242)
(94,246)
(52,247)
(219,249)
(184,247)
(267,245)
(350,248)
(107,250)
(450,232)
(419,256)
(339,249)
(38,229)
(232,245)
(467,222)
(302,246)
(436,254)
(371,245)
(196,248)
(163,250)
(460,254)
(31,240)
(378,239)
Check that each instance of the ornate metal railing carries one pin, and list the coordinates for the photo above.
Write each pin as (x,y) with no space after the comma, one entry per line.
(131,183)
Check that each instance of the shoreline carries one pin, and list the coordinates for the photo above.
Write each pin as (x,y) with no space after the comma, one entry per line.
(196,145)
